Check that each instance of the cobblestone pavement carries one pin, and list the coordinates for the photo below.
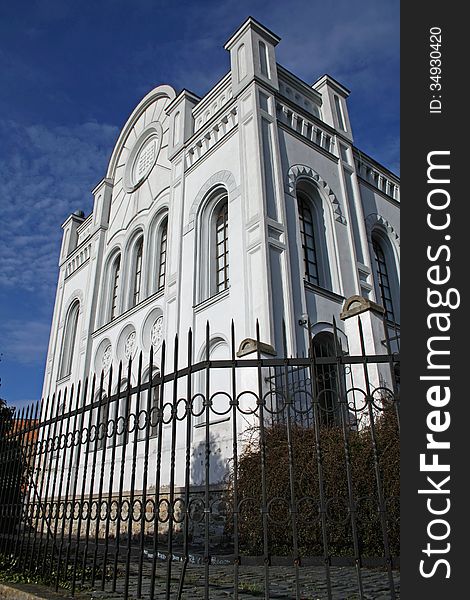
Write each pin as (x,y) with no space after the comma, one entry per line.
(251,584)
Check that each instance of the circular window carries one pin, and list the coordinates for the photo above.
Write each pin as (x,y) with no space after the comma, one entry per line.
(156,334)
(103,357)
(152,331)
(144,160)
(143,157)
(127,344)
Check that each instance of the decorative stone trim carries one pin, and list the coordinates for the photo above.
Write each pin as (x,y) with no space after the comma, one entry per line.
(249,345)
(375,220)
(212,103)
(302,126)
(162,91)
(78,260)
(375,177)
(355,305)
(209,138)
(316,289)
(297,171)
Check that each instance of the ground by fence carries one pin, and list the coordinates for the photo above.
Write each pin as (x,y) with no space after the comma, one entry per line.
(275,477)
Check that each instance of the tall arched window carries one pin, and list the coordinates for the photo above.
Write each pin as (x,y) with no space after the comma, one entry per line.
(307,237)
(162,255)
(220,241)
(148,417)
(122,411)
(69,340)
(214,386)
(99,418)
(326,377)
(137,273)
(241,61)
(263,59)
(212,264)
(312,227)
(385,277)
(115,274)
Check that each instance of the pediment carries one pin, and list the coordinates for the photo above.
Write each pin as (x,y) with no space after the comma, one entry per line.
(139,165)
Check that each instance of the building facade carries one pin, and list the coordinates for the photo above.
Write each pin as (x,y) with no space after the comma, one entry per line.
(251,203)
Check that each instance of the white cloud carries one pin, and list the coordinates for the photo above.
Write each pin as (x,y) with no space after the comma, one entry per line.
(46,173)
(25,341)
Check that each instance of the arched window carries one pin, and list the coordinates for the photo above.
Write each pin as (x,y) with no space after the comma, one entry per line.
(326,377)
(307,237)
(99,419)
(162,242)
(137,273)
(157,254)
(115,274)
(148,414)
(263,58)
(176,128)
(153,416)
(339,113)
(122,411)
(212,264)
(69,339)
(220,240)
(241,61)
(314,250)
(386,285)
(213,386)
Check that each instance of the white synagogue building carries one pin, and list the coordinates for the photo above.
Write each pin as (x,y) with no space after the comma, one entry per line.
(250,203)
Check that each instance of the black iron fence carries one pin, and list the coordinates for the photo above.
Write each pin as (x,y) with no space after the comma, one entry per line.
(210,478)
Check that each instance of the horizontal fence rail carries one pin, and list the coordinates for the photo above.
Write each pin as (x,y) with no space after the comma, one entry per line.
(235,477)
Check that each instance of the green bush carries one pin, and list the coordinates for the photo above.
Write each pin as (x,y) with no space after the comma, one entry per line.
(305,488)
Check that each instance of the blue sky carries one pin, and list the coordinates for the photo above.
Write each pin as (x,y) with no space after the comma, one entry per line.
(71,72)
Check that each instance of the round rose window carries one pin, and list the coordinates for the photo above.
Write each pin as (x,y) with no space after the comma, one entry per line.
(142,157)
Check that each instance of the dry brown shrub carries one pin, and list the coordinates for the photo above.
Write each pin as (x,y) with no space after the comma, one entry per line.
(304,475)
